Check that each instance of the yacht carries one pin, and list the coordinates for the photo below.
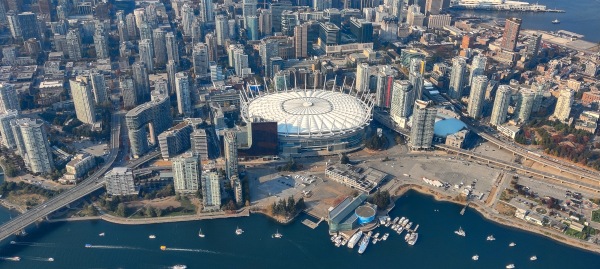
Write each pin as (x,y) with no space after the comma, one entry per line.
(200,234)
(533,258)
(385,236)
(88,245)
(354,239)
(277,235)
(510,266)
(475,257)
(512,244)
(152,236)
(179,266)
(408,226)
(376,235)
(363,244)
(12,242)
(413,238)
(101,234)
(460,232)
(50,259)
(239,231)
(490,238)
(555,21)
(14,259)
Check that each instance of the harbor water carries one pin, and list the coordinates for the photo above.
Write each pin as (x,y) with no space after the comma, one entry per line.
(581,17)
(301,247)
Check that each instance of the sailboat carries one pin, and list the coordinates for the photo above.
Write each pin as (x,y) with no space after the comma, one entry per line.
(277,235)
(200,233)
(556,21)
(239,231)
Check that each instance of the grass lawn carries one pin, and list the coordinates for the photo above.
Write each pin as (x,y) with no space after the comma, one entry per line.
(596,215)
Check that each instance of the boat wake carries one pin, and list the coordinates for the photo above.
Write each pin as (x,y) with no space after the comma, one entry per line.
(193,250)
(114,247)
(40,259)
(32,244)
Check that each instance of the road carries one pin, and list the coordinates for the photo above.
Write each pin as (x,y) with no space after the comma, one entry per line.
(87,186)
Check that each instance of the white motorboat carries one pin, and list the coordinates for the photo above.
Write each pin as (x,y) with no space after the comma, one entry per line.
(510,266)
(475,257)
(533,258)
(277,235)
(512,244)
(239,231)
(490,238)
(101,234)
(460,232)
(152,236)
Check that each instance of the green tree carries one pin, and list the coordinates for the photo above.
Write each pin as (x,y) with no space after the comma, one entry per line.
(344,159)
(158,212)
(121,210)
(149,212)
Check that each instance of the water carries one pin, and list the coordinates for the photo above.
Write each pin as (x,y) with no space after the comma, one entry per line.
(301,247)
(581,17)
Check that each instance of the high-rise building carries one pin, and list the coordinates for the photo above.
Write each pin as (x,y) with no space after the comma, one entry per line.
(8,138)
(211,45)
(8,98)
(457,77)
(187,19)
(186,173)
(362,30)
(128,92)
(119,181)
(417,65)
(329,34)
(206,11)
(146,32)
(172,48)
(83,99)
(268,49)
(140,17)
(276,9)
(199,143)
(252,27)
(402,96)
(222,29)
(232,29)
(423,121)
(433,7)
(248,9)
(101,42)
(74,45)
(563,104)
(216,72)
(146,54)
(141,82)
(211,191)
(477,96)
(385,83)
(510,37)
(131,25)
(13,24)
(289,20)
(29,26)
(362,77)
(526,100)
(160,47)
(171,70)
(200,60)
(417,81)
(477,67)
(231,153)
(240,62)
(397,7)
(265,22)
(501,103)
(99,87)
(32,144)
(182,88)
(301,40)
(147,120)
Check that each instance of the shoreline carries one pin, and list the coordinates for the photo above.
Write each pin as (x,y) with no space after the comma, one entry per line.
(507,221)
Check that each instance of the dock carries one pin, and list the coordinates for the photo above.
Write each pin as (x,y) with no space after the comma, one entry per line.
(462,212)
(311,224)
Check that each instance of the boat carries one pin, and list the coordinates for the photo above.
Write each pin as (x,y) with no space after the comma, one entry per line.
(152,236)
(374,241)
(179,266)
(50,259)
(404,222)
(385,236)
(376,235)
(413,238)
(101,234)
(475,257)
(163,247)
(533,258)
(14,259)
(239,231)
(510,266)
(363,244)
(460,232)
(490,238)
(354,239)
(277,235)
(512,244)
(408,226)
(407,236)
(555,21)
(200,234)
(12,242)
(396,220)
(88,245)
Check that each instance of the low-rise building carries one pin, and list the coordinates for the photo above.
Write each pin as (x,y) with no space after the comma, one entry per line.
(119,181)
(78,166)
(457,139)
(509,130)
(342,217)
(355,177)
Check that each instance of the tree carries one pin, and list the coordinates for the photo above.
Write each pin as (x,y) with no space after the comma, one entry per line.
(158,212)
(344,159)
(381,199)
(149,212)
(121,210)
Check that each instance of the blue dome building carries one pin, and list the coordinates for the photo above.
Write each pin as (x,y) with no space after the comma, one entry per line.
(448,126)
(365,213)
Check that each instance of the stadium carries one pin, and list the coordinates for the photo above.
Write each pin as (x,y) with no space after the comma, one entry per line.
(311,122)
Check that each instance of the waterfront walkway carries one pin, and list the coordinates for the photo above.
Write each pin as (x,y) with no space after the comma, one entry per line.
(140,221)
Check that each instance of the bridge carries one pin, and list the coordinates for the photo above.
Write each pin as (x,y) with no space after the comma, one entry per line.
(87,186)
